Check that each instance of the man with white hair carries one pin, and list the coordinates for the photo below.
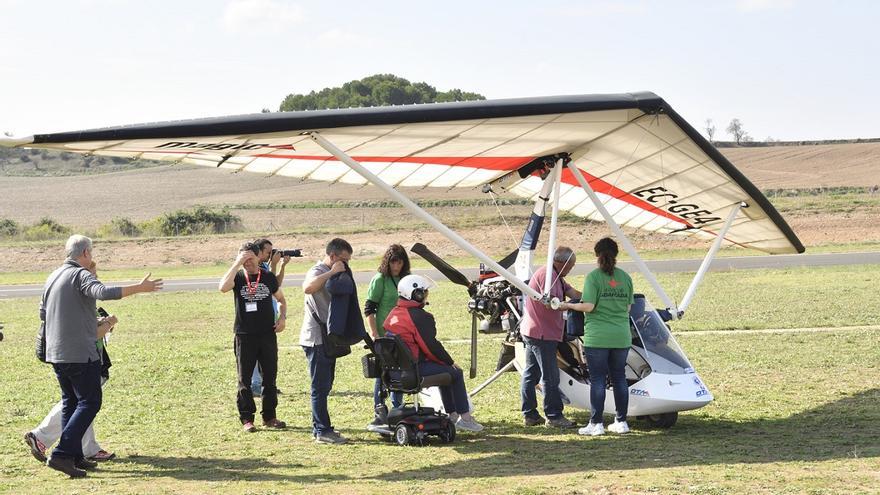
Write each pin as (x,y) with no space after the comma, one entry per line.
(541,330)
(69,313)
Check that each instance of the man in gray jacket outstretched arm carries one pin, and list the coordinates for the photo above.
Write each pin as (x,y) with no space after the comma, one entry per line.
(69,312)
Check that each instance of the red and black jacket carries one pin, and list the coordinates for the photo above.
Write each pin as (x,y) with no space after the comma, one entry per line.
(417,329)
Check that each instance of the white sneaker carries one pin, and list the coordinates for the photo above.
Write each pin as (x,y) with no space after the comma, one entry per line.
(619,427)
(592,429)
(468,425)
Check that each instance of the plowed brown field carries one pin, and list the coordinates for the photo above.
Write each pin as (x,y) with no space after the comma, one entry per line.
(85,202)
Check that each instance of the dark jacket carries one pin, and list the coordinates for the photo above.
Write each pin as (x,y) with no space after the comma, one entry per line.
(344,321)
(418,330)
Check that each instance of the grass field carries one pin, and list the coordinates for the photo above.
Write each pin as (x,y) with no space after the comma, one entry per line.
(369,263)
(795,412)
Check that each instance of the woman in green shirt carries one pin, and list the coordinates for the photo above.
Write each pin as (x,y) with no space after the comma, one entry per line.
(607,297)
(381,299)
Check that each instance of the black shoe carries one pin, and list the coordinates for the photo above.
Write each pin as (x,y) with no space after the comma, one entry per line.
(533,420)
(85,464)
(66,465)
(377,425)
(561,422)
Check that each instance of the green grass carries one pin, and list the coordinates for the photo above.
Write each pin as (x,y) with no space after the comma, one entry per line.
(794,412)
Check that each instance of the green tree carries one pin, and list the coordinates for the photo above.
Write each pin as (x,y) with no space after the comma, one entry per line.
(372,91)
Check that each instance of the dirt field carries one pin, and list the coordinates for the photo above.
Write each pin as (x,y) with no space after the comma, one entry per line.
(798,167)
(147,193)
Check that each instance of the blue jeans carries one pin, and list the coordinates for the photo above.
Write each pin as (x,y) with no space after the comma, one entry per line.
(454,396)
(396,397)
(541,366)
(601,362)
(322,371)
(81,398)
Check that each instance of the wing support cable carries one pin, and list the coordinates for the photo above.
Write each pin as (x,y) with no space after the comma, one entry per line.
(424,215)
(643,268)
(704,267)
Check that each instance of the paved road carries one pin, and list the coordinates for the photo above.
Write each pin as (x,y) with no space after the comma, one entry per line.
(657,266)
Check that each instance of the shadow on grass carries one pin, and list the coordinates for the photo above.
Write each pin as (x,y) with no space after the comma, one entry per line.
(211,469)
(846,428)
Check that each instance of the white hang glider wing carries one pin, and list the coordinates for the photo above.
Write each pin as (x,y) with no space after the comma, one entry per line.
(650,168)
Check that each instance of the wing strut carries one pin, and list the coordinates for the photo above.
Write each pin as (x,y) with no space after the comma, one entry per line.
(424,215)
(551,246)
(704,267)
(643,268)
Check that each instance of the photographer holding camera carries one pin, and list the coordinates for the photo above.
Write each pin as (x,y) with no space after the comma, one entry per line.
(269,258)
(255,332)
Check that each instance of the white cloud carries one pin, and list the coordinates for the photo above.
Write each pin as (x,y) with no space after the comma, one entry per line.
(261,16)
(760,5)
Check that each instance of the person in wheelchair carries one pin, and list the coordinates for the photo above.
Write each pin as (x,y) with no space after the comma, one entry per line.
(417,329)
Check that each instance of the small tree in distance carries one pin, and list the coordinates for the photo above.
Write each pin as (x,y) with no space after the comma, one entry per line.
(735,129)
(710,130)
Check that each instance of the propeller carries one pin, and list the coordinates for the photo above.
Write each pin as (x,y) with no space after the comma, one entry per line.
(508,260)
(445,268)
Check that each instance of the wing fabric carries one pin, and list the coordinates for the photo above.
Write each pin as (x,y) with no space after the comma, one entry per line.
(650,168)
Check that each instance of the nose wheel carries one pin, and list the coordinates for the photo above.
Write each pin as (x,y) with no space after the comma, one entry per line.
(666,420)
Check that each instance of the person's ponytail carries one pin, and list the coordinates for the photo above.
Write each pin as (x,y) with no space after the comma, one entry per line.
(606,255)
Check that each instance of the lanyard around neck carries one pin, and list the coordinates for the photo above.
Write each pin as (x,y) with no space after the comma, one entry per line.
(252,289)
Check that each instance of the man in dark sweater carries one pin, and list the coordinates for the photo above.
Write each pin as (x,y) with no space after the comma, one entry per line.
(69,312)
(255,332)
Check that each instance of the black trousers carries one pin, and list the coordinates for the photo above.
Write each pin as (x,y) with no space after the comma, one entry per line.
(250,350)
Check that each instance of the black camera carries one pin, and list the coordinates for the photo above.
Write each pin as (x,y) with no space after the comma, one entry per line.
(293,253)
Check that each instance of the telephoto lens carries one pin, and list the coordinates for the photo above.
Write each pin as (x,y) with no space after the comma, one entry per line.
(293,253)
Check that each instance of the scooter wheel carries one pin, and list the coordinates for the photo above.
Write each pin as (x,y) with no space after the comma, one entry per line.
(404,435)
(447,434)
(666,420)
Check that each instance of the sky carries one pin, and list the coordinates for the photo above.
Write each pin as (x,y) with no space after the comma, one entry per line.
(787,69)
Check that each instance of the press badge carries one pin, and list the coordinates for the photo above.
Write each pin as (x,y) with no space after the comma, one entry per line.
(250,307)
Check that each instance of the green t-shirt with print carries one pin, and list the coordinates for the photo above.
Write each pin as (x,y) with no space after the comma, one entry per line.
(383,291)
(607,326)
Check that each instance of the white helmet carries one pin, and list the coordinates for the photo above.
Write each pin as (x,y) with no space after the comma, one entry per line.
(414,287)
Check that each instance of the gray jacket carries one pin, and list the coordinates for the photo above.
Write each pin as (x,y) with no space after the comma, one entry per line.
(69,310)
